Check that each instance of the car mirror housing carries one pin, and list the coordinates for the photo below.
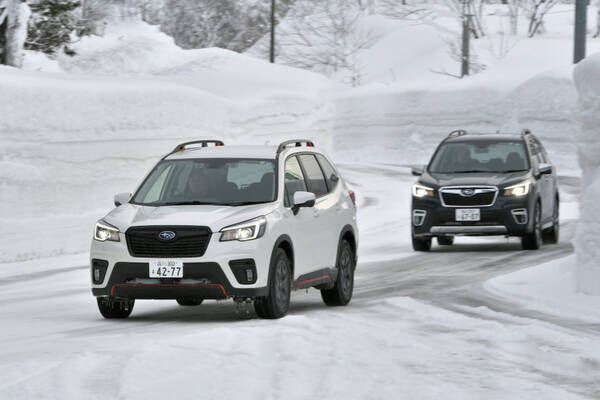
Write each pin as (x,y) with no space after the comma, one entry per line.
(303,199)
(418,170)
(545,169)
(122,198)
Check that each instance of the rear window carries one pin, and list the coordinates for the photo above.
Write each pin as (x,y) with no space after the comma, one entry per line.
(314,176)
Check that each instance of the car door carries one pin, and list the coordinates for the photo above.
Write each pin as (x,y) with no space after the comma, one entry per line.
(324,212)
(301,227)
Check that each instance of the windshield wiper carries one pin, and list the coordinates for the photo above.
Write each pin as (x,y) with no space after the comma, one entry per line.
(190,203)
(245,203)
(512,170)
(466,171)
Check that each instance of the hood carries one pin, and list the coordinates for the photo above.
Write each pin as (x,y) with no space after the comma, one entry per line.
(215,217)
(474,179)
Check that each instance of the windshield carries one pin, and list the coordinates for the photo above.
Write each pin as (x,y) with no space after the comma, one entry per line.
(480,156)
(225,181)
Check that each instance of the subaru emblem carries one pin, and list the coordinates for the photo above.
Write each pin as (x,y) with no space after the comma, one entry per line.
(166,235)
(467,192)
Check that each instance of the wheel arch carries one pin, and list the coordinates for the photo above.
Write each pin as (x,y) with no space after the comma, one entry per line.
(347,233)
(285,243)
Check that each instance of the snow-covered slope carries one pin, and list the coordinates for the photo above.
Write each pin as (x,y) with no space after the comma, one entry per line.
(69,142)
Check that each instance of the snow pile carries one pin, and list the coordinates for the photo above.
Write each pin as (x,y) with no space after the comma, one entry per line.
(68,143)
(549,288)
(587,80)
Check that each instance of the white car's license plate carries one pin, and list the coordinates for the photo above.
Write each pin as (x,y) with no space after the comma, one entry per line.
(468,214)
(166,269)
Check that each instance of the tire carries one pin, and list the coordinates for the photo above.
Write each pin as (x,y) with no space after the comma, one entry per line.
(533,240)
(277,303)
(445,240)
(111,308)
(421,244)
(189,301)
(341,293)
(551,235)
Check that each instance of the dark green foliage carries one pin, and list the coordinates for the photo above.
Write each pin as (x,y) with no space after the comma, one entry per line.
(51,25)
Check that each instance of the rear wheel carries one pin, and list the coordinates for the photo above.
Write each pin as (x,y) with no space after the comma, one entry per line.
(189,302)
(533,240)
(445,240)
(111,308)
(551,235)
(421,244)
(341,293)
(277,303)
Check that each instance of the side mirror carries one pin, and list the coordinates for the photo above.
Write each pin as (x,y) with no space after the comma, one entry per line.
(545,169)
(303,199)
(122,198)
(418,170)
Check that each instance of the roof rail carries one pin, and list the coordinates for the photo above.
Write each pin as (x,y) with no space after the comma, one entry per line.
(296,143)
(202,143)
(457,133)
(526,131)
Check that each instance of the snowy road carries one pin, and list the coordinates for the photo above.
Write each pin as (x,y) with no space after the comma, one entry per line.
(420,326)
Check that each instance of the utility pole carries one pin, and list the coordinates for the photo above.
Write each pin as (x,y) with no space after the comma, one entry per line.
(580,30)
(466,22)
(272,47)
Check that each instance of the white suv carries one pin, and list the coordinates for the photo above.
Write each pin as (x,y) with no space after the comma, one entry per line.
(215,222)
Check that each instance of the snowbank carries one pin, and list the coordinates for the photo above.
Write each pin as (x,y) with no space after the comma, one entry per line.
(405,126)
(69,142)
(549,288)
(587,241)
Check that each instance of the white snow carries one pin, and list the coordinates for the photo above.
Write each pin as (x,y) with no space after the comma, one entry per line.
(550,288)
(587,79)
(69,142)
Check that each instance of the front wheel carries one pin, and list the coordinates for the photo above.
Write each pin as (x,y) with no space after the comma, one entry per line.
(341,293)
(277,303)
(533,240)
(421,244)
(551,235)
(189,302)
(112,308)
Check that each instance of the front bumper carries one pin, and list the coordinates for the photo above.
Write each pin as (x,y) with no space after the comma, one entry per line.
(208,277)
(502,218)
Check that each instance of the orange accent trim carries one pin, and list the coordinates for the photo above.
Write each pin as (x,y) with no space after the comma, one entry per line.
(112,289)
(313,279)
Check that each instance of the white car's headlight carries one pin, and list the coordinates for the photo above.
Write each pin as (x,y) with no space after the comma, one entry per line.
(518,190)
(421,191)
(105,231)
(248,230)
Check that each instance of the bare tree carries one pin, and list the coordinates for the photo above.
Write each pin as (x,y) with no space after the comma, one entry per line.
(536,10)
(514,8)
(14,15)
(326,36)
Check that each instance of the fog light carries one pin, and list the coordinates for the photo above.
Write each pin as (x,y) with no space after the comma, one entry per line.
(419,217)
(520,215)
(249,275)
(99,268)
(244,270)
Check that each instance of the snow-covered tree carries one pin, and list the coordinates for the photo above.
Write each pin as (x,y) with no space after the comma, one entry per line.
(326,36)
(51,25)
(14,15)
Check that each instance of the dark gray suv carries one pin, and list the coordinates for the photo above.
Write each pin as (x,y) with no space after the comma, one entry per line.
(491,184)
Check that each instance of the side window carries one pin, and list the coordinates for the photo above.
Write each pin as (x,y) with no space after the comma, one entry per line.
(294,179)
(314,176)
(330,175)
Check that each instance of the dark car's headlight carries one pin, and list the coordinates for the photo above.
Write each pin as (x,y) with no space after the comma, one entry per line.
(244,231)
(421,191)
(105,231)
(518,190)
